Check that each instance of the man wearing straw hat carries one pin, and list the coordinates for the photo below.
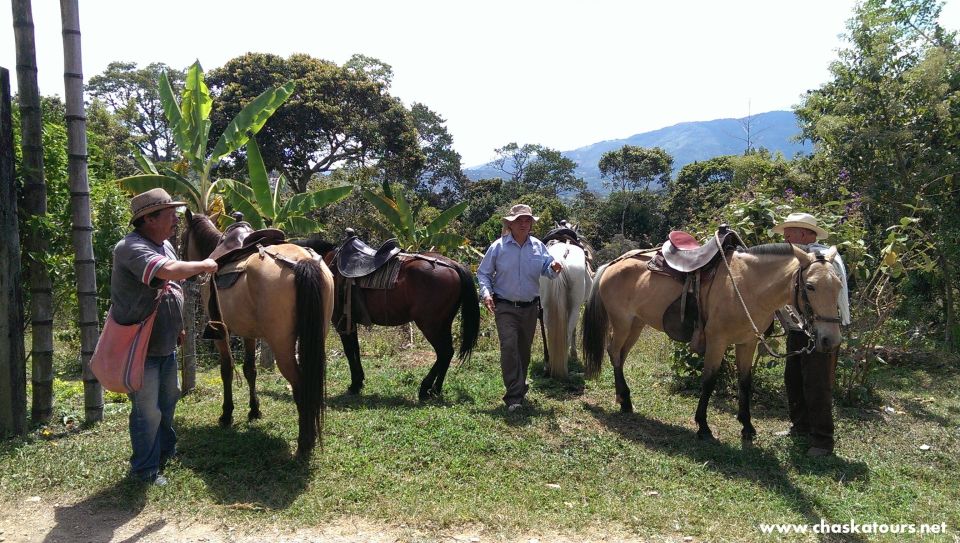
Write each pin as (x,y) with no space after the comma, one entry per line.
(143,263)
(509,278)
(809,377)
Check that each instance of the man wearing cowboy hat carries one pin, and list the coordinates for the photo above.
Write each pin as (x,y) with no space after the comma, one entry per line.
(509,278)
(809,377)
(144,262)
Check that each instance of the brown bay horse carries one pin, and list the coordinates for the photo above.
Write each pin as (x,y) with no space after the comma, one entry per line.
(429,291)
(626,296)
(280,297)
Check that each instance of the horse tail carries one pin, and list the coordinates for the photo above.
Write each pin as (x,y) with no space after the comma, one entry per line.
(557,318)
(595,324)
(312,356)
(469,314)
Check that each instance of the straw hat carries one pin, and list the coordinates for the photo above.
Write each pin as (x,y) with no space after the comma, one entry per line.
(517,211)
(801,220)
(150,201)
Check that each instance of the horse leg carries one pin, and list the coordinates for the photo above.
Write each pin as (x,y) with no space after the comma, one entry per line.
(745,352)
(442,341)
(351,349)
(711,367)
(250,373)
(623,340)
(226,375)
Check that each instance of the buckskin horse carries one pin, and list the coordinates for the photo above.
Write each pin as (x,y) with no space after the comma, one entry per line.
(429,290)
(739,300)
(279,293)
(562,297)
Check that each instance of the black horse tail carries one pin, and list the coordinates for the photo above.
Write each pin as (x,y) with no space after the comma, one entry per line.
(469,314)
(312,357)
(595,324)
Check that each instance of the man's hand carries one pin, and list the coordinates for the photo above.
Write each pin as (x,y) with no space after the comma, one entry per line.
(208,265)
(556,266)
(488,302)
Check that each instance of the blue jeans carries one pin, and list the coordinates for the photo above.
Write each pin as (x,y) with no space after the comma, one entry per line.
(151,418)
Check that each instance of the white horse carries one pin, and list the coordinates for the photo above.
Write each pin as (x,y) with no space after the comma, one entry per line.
(561,299)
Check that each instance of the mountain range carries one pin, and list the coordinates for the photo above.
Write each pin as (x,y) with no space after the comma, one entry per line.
(687,142)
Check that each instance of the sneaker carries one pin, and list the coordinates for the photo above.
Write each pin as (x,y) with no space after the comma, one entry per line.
(513,407)
(160,480)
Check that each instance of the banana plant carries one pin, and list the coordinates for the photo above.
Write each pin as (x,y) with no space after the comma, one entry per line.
(262,207)
(190,123)
(403,222)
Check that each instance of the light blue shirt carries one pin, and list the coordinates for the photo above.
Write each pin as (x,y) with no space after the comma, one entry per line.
(513,272)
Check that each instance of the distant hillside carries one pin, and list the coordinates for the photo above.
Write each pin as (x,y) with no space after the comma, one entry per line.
(688,142)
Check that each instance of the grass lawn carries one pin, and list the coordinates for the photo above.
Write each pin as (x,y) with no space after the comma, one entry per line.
(568,463)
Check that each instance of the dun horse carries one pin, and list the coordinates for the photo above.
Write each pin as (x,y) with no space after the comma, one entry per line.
(430,289)
(280,296)
(561,299)
(626,296)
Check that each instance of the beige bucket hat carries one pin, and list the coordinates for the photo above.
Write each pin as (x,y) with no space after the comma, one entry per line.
(517,211)
(150,201)
(801,220)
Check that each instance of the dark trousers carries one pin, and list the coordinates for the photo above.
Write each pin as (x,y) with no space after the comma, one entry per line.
(515,329)
(809,383)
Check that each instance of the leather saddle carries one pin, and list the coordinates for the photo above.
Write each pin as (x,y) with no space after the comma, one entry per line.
(355,258)
(683,253)
(687,261)
(240,240)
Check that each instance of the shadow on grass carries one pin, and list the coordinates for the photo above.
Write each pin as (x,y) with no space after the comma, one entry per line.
(372,401)
(524,416)
(114,507)
(750,463)
(243,465)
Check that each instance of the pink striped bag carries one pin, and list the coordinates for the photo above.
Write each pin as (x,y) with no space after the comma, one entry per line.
(122,350)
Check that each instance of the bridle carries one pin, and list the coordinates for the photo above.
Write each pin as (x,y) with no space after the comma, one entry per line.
(808,314)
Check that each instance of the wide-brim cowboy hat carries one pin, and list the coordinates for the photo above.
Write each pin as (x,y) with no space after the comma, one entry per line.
(518,211)
(150,201)
(801,220)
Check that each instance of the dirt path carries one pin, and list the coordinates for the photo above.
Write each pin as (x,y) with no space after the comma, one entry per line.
(35,520)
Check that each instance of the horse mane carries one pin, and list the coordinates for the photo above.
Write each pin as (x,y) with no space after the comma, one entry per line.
(321,246)
(779,249)
(205,233)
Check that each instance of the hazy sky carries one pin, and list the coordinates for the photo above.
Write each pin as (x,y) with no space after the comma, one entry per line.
(558,73)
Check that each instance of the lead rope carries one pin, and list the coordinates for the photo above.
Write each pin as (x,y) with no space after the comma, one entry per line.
(746,311)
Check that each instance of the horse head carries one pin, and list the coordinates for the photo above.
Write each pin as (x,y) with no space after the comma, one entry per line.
(818,288)
(200,236)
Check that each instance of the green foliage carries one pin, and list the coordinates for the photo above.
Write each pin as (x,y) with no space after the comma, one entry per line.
(262,206)
(632,167)
(190,125)
(132,95)
(404,224)
(337,117)
(536,169)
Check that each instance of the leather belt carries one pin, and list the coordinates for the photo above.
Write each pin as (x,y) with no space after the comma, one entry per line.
(500,300)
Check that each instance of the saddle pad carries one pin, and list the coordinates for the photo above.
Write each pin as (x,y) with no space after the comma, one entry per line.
(385,278)
(228,274)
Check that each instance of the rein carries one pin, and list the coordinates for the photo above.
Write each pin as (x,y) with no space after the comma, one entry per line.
(808,314)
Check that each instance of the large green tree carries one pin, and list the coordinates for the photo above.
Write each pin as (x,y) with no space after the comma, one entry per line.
(441,180)
(337,117)
(886,125)
(630,168)
(131,94)
(534,168)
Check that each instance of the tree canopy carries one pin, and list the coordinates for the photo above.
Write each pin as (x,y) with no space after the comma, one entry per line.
(337,116)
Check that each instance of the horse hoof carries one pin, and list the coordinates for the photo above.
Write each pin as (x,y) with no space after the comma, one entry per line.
(626,407)
(747,435)
(706,435)
(254,415)
(226,421)
(354,390)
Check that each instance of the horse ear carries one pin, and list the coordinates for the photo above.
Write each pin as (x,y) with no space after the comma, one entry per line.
(188,214)
(216,216)
(831,253)
(802,255)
